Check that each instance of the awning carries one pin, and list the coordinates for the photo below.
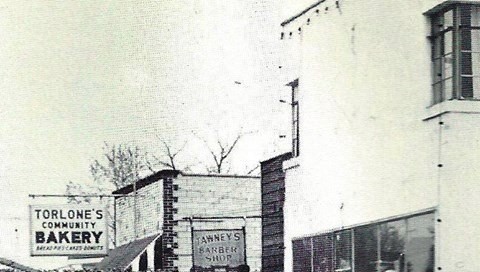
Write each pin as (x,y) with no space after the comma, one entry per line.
(16,265)
(121,257)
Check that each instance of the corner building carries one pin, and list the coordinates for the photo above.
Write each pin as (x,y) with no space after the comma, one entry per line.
(386,137)
(154,229)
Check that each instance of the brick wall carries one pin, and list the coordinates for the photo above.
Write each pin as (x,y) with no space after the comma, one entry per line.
(169,234)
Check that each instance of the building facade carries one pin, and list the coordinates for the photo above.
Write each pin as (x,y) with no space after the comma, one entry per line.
(273,198)
(385,137)
(154,229)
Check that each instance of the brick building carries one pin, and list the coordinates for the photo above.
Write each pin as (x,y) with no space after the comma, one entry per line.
(385,103)
(154,229)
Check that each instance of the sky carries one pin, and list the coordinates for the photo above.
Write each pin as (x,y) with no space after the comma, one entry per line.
(77,74)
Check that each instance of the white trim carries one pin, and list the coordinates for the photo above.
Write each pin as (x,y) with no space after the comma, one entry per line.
(452,106)
(377,221)
(291,163)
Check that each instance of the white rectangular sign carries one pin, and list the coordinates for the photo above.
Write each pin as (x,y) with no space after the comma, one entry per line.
(218,247)
(66,230)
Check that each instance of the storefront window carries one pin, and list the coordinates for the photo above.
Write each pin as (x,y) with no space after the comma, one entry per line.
(419,249)
(392,246)
(366,244)
(323,253)
(302,255)
(403,245)
(343,251)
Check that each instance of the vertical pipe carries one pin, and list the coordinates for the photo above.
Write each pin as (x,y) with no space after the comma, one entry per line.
(244,243)
(115,222)
(193,248)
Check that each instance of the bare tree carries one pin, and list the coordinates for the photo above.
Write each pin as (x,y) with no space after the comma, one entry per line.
(220,152)
(170,155)
(224,149)
(119,166)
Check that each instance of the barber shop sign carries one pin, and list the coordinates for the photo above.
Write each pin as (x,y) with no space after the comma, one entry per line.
(218,248)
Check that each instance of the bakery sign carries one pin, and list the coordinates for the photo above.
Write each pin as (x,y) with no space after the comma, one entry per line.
(67,230)
(214,248)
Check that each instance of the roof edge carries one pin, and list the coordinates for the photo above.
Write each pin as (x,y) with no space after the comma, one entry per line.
(286,154)
(137,247)
(446,4)
(218,175)
(147,181)
(170,174)
(300,14)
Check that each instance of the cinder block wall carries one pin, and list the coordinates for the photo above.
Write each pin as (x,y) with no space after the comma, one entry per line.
(149,211)
(164,206)
(207,196)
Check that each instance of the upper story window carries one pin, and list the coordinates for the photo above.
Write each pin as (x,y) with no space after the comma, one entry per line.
(456,51)
(295,119)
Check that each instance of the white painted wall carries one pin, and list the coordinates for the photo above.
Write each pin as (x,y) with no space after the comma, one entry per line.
(459,231)
(365,90)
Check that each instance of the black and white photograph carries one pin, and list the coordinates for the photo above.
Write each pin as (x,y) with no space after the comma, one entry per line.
(240,135)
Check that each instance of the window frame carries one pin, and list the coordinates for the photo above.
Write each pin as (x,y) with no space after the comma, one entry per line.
(295,118)
(457,29)
(376,225)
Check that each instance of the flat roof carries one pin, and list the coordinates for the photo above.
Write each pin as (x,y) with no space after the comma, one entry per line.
(171,174)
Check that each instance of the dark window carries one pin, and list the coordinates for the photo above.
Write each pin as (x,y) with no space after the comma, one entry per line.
(456,53)
(143,262)
(392,246)
(302,255)
(295,121)
(322,252)
(366,248)
(158,255)
(343,251)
